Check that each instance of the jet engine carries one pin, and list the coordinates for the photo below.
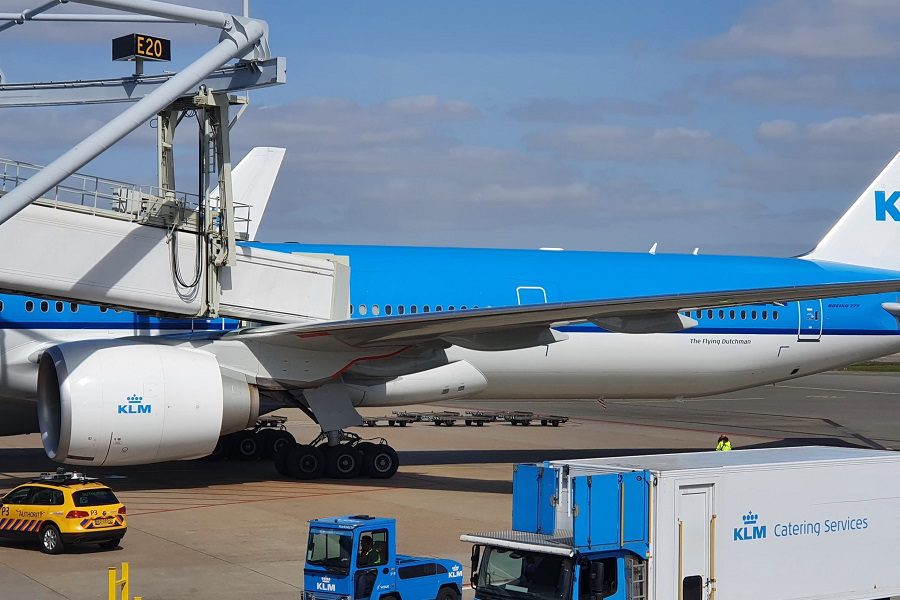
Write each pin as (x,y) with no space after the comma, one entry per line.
(127,402)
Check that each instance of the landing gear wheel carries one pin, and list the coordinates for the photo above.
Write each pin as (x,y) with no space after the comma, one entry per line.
(273,440)
(245,445)
(304,462)
(380,461)
(110,544)
(342,461)
(447,593)
(51,540)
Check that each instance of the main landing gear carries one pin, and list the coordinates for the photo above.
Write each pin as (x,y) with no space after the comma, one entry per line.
(340,455)
(264,440)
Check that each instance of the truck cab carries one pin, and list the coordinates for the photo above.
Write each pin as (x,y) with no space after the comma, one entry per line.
(354,557)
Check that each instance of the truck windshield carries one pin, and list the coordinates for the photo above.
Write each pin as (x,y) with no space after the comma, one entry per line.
(523,576)
(330,549)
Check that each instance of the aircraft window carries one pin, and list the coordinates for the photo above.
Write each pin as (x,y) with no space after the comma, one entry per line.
(765,315)
(462,308)
(438,308)
(45,306)
(413,309)
(400,309)
(362,309)
(426,308)
(351,309)
(29,306)
(753,315)
(743,314)
(731,314)
(698,314)
(775,314)
(375,310)
(103,309)
(59,307)
(721,314)
(451,307)
(1,305)
(475,307)
(73,307)
(388,309)
(709,314)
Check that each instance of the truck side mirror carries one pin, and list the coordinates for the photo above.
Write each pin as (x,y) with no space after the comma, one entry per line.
(597,578)
(476,558)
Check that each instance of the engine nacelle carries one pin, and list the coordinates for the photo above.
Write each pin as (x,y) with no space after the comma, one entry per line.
(127,402)
(448,382)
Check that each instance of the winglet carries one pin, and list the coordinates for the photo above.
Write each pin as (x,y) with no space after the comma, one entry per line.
(252,181)
(868,234)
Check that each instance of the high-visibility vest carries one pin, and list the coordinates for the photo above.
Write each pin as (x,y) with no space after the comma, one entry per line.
(724,446)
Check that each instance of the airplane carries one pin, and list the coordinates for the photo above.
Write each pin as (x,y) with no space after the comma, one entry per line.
(437,324)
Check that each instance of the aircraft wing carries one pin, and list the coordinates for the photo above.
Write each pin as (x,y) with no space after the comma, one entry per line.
(514,327)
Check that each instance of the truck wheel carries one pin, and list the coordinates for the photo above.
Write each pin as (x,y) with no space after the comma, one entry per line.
(51,540)
(342,462)
(447,593)
(245,446)
(380,461)
(273,440)
(305,462)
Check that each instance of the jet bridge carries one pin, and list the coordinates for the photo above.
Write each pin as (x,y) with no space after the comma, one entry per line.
(151,248)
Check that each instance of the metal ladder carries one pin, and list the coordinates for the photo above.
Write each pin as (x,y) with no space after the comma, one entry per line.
(636,578)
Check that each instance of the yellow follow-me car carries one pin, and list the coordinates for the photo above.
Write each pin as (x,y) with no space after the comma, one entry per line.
(58,509)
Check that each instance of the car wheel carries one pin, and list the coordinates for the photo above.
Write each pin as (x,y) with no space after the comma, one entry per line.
(305,462)
(110,544)
(447,593)
(273,440)
(380,461)
(342,462)
(51,540)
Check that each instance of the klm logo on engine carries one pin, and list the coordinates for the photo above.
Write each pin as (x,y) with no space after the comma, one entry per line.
(750,530)
(886,206)
(325,585)
(135,406)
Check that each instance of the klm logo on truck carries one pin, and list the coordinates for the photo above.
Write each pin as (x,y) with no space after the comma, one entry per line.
(325,585)
(886,206)
(750,530)
(135,406)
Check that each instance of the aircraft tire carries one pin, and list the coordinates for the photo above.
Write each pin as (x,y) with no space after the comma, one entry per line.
(245,445)
(272,440)
(304,462)
(342,461)
(380,461)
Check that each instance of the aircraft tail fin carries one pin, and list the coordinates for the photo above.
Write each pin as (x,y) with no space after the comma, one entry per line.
(868,234)
(252,181)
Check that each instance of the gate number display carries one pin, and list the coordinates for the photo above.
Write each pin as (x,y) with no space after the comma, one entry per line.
(139,46)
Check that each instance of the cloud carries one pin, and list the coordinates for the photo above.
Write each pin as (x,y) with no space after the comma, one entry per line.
(811,29)
(825,156)
(619,143)
(562,110)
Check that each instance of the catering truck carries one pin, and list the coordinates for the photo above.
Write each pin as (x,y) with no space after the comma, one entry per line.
(773,524)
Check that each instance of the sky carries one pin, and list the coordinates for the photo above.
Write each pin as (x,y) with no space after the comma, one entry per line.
(735,127)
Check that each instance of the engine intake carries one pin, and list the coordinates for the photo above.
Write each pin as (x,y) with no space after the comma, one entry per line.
(125,402)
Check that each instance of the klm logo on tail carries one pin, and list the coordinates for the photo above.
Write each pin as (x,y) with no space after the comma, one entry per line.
(750,530)
(887,206)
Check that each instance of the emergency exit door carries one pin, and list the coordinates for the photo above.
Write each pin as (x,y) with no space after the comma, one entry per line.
(695,511)
(810,325)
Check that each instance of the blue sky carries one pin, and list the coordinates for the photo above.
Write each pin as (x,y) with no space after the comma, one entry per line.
(738,127)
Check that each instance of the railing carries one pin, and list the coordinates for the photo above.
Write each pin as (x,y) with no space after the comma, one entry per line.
(146,204)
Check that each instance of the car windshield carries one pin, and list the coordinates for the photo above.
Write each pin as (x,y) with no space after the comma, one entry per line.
(524,575)
(94,497)
(329,548)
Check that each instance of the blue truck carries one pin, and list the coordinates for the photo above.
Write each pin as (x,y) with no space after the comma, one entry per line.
(354,558)
(807,523)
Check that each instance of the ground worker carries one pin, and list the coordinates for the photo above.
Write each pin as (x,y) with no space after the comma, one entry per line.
(724,444)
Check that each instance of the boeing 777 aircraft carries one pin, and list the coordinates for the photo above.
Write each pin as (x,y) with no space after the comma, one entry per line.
(433,324)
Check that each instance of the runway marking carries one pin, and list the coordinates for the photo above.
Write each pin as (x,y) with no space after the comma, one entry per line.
(819,389)
(681,401)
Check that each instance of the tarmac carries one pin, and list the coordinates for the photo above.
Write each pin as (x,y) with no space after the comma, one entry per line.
(237,530)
